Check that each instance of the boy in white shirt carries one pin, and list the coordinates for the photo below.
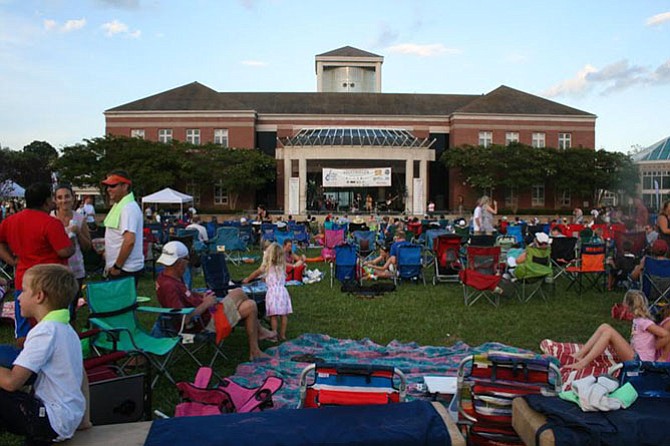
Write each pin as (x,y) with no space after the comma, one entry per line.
(52,352)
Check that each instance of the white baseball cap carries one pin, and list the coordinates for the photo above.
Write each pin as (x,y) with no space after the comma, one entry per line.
(543,238)
(172,251)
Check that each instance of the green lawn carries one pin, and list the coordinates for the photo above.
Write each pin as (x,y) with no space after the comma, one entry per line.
(429,315)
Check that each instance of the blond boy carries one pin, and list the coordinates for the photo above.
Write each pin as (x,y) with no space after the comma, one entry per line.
(51,354)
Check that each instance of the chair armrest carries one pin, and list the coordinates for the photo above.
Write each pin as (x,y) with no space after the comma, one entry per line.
(112,332)
(168,311)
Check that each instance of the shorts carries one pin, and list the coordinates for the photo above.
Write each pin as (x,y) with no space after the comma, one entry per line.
(23,325)
(230,311)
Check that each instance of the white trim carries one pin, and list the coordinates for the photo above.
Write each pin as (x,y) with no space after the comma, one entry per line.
(266,127)
(182,113)
(177,124)
(522,117)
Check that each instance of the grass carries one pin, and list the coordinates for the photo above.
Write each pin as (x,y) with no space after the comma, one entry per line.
(428,315)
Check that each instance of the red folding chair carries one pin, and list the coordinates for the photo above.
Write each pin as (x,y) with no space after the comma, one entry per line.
(481,275)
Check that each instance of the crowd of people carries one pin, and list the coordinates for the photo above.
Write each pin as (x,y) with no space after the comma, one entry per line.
(45,244)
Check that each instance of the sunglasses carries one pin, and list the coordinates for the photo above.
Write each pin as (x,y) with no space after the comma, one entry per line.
(112,186)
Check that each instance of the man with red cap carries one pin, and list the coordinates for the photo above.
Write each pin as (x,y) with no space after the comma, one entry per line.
(123,229)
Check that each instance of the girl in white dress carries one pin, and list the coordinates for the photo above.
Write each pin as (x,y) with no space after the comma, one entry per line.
(277,299)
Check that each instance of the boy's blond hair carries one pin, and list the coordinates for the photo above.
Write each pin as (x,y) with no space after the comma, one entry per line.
(56,281)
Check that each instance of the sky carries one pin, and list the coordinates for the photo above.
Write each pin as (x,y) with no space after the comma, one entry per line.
(64,62)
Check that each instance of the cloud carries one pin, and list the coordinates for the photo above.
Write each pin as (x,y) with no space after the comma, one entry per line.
(72,25)
(617,76)
(254,63)
(385,37)
(115,27)
(50,24)
(120,4)
(69,26)
(572,87)
(428,50)
(248,4)
(658,19)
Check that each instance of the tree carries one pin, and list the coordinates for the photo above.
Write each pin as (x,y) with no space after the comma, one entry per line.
(585,172)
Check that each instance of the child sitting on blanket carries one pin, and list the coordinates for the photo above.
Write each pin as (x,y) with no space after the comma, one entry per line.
(646,337)
(52,352)
(277,299)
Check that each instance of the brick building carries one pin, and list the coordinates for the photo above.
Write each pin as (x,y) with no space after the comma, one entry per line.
(379,144)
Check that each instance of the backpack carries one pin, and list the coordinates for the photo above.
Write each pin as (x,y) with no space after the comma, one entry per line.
(199,399)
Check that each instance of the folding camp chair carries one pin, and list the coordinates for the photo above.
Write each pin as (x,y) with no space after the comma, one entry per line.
(506,242)
(447,248)
(637,239)
(563,254)
(364,241)
(350,384)
(267,232)
(428,243)
(228,241)
(301,235)
(482,240)
(656,280)
(217,279)
(534,273)
(331,238)
(409,263)
(113,306)
(516,231)
(344,266)
(590,264)
(488,383)
(481,275)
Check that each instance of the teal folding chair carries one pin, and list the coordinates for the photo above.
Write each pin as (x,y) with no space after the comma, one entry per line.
(113,305)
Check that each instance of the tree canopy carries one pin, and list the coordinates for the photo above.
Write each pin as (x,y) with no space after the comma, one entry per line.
(155,165)
(31,165)
(586,172)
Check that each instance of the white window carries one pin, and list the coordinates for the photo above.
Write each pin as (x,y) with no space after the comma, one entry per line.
(511,137)
(511,197)
(164,135)
(564,140)
(221,137)
(565,199)
(539,140)
(137,133)
(537,198)
(193,189)
(485,139)
(220,194)
(193,136)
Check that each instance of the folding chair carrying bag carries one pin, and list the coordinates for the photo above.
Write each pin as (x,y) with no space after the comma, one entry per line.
(120,400)
(414,423)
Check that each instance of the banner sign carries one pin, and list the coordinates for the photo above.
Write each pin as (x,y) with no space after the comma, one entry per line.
(375,177)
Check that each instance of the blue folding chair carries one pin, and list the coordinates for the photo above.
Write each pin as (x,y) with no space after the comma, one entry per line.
(345,265)
(656,281)
(364,241)
(228,240)
(516,231)
(409,263)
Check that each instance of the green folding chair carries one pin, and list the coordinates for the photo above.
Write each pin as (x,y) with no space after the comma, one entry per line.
(113,305)
(534,273)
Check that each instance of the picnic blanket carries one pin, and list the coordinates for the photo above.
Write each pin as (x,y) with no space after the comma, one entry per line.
(414,360)
(564,351)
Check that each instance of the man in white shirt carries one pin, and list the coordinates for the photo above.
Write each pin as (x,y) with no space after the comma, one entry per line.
(124,254)
(202,231)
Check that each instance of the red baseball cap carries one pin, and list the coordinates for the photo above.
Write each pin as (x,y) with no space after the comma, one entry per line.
(115,178)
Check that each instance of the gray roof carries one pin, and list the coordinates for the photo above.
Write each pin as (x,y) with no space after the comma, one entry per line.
(659,151)
(198,97)
(347,51)
(506,100)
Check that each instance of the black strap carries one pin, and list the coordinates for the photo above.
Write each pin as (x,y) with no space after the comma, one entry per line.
(104,314)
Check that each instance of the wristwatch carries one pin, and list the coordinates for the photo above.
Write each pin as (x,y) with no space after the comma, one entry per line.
(117,267)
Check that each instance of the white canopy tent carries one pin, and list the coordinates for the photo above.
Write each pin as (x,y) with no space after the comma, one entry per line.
(169,196)
(10,189)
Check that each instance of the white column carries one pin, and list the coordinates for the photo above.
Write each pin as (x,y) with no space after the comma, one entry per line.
(423,173)
(409,184)
(287,179)
(302,174)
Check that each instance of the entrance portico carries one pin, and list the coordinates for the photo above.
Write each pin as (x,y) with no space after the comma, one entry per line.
(351,148)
